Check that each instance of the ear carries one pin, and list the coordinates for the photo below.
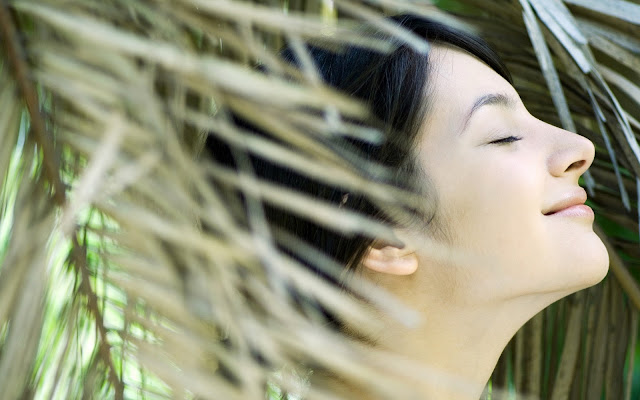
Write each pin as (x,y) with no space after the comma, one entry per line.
(391,259)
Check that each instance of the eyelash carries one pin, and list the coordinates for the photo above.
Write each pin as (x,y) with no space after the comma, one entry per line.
(506,140)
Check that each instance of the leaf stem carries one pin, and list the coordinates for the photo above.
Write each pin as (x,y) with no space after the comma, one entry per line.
(16,57)
(17,60)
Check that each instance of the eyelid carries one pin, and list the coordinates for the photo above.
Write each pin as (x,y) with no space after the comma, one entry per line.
(506,140)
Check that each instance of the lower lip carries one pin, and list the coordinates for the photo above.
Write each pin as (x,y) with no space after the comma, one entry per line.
(579,210)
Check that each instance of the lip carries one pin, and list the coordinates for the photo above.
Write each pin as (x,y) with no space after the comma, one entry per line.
(571,204)
(577,210)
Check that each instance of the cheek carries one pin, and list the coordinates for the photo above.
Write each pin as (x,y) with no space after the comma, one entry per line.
(492,209)
(493,205)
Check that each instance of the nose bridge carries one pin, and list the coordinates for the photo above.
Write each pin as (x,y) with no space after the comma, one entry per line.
(571,153)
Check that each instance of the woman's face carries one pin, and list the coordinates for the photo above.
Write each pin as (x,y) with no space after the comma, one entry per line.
(498,171)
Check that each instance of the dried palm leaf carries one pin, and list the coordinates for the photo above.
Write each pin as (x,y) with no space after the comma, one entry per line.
(130,268)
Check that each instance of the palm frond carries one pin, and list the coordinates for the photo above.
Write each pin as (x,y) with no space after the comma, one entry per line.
(129,270)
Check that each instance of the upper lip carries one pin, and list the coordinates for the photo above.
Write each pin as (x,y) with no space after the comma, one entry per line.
(573,198)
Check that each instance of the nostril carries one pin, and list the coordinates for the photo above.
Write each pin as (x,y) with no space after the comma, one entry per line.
(570,154)
(576,165)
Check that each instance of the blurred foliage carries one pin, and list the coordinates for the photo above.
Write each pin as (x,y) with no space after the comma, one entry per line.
(127,274)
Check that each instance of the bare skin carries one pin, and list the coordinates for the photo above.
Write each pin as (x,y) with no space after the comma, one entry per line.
(499,173)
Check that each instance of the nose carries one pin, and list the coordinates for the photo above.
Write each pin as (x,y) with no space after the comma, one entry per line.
(572,154)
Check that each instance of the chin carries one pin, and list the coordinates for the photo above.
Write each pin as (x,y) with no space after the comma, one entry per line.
(585,265)
(591,267)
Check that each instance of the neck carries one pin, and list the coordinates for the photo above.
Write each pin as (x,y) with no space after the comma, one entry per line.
(465,346)
(458,347)
(461,345)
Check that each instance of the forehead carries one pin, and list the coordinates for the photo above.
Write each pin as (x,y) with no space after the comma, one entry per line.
(456,79)
(452,67)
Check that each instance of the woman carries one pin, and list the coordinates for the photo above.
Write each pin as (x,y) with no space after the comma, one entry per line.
(502,187)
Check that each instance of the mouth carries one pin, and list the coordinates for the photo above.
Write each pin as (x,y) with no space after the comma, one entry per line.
(571,204)
(577,210)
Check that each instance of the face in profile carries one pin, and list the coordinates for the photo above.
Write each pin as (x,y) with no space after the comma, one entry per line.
(507,187)
(508,198)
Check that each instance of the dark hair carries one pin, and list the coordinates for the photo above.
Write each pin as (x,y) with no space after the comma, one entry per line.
(394,86)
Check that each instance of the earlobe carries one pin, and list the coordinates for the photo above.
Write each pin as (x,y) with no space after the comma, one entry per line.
(391,260)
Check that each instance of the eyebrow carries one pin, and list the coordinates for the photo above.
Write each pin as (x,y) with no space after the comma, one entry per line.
(491,99)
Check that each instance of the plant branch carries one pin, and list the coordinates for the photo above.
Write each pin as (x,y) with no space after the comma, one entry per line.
(16,58)
(79,262)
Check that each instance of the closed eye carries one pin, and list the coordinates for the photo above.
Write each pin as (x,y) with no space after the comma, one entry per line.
(508,139)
